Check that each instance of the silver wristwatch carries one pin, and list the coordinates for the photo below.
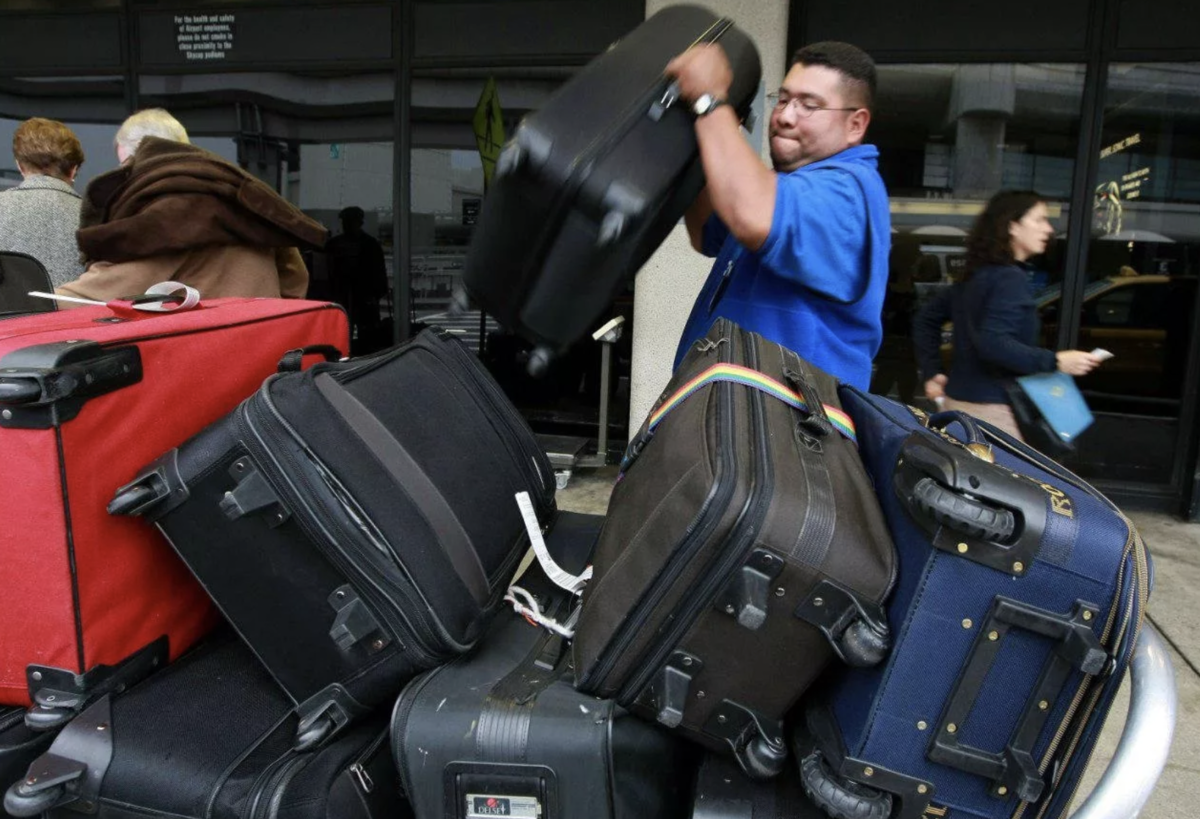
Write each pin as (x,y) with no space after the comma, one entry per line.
(706,104)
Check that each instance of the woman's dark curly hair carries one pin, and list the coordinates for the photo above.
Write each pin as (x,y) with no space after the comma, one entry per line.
(989,241)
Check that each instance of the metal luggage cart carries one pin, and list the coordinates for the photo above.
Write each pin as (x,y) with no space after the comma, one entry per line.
(1141,754)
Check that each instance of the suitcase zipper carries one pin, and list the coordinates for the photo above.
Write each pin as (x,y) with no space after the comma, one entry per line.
(1135,551)
(347,543)
(744,530)
(359,770)
(14,718)
(269,781)
(705,521)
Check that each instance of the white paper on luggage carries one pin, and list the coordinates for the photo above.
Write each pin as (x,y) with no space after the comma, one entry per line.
(557,574)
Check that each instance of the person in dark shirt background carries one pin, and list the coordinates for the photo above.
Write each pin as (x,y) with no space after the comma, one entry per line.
(995,316)
(358,277)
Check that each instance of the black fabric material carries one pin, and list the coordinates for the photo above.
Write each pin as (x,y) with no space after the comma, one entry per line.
(594,156)
(412,480)
(606,764)
(724,792)
(210,737)
(20,274)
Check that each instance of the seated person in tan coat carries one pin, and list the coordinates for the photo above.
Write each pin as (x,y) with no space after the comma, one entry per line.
(175,212)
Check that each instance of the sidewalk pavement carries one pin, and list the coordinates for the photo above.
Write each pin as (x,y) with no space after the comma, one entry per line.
(1174,610)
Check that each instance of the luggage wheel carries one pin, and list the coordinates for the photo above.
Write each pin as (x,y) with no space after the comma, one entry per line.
(838,797)
(47,717)
(863,645)
(24,800)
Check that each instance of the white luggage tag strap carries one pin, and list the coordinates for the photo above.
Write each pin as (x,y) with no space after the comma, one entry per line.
(182,297)
(522,601)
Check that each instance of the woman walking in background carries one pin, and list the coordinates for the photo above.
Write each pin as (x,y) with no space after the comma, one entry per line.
(995,316)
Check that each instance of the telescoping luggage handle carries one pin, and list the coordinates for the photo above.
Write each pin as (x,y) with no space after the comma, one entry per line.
(747,377)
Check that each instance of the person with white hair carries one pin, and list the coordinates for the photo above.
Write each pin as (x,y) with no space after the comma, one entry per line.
(155,122)
(176,212)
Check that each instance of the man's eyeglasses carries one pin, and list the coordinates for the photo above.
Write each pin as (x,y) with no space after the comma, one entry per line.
(803,107)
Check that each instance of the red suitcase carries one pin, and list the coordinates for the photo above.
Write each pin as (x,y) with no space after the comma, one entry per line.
(87,396)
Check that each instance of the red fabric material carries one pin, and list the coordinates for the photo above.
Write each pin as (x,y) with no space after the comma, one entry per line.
(197,366)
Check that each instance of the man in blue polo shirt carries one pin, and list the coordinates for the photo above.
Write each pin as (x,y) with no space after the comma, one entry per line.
(802,251)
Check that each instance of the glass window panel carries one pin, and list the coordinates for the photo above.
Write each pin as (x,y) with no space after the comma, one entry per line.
(324,141)
(949,137)
(1142,264)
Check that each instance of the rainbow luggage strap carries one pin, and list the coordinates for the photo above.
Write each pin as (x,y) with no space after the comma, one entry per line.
(747,377)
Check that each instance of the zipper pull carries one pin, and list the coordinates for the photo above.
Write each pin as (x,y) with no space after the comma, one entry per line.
(720,291)
(364,779)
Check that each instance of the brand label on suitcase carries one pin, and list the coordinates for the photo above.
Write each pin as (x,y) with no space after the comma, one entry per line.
(481,805)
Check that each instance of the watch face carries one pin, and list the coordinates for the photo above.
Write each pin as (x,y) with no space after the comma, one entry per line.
(703,104)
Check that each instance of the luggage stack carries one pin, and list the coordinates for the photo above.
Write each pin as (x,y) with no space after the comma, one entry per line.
(798,588)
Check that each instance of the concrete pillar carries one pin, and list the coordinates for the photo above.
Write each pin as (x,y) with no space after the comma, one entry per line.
(667,285)
(983,97)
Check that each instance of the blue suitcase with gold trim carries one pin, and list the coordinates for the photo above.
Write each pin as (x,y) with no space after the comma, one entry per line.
(1020,595)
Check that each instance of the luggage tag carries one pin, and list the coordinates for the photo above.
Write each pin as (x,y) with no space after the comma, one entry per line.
(522,601)
(164,297)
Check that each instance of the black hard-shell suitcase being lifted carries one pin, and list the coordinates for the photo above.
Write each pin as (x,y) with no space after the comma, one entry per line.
(501,732)
(209,737)
(594,180)
(355,522)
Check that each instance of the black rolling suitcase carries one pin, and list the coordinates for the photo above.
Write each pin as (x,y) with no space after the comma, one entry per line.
(743,550)
(18,746)
(501,732)
(210,737)
(355,522)
(592,182)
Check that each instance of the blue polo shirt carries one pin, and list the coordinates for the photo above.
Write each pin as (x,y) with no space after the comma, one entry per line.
(817,284)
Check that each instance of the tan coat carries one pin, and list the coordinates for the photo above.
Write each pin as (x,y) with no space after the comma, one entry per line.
(229,270)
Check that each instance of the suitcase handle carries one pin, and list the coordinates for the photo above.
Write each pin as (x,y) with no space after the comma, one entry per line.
(975,509)
(293,360)
(746,377)
(1014,770)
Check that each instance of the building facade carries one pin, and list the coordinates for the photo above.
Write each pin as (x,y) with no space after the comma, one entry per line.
(1093,103)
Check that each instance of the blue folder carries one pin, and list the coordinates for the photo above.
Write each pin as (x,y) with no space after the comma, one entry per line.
(1060,402)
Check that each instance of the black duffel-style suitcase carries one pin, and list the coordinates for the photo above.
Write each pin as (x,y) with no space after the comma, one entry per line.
(356,522)
(742,551)
(502,732)
(594,180)
(1020,597)
(210,737)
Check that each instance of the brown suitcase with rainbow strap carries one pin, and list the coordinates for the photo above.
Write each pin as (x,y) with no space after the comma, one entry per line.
(743,550)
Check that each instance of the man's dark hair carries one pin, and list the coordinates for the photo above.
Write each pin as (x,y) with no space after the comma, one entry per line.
(855,65)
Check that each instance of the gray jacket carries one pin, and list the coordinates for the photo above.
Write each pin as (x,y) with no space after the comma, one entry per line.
(40,217)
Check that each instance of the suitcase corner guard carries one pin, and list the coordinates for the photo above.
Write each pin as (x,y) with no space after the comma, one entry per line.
(45,385)
(857,630)
(325,714)
(58,695)
(72,770)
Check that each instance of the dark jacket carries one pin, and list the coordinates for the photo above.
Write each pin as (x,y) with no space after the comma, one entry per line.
(995,329)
